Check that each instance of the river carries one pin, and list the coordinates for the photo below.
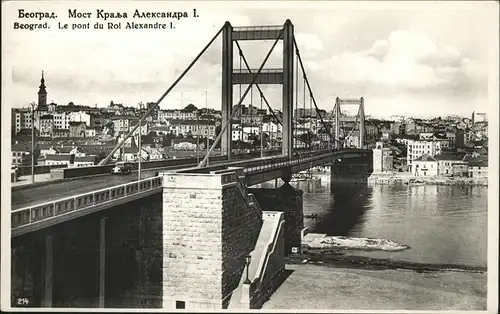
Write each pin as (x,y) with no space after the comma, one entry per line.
(441,224)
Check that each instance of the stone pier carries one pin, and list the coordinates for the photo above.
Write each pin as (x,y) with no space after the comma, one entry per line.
(208,229)
(288,200)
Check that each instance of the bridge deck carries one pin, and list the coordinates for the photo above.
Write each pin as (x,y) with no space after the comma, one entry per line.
(51,192)
(36,195)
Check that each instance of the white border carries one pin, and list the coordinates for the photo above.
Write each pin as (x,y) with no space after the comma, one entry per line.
(492,21)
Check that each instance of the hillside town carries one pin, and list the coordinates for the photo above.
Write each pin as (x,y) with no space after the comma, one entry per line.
(74,135)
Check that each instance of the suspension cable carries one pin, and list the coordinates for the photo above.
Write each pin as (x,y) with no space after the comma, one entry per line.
(251,110)
(295,130)
(304,118)
(241,118)
(309,86)
(152,108)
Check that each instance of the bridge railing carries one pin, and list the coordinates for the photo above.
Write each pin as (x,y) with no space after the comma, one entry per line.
(40,212)
(249,198)
(270,164)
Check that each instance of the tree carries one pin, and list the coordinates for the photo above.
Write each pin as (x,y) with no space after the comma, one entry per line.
(147,139)
(190,108)
(306,138)
(265,140)
(100,156)
(26,159)
(111,127)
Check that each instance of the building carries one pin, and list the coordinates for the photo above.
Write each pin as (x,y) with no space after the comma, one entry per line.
(98,121)
(416,149)
(478,117)
(70,150)
(460,138)
(47,149)
(452,139)
(79,116)
(59,160)
(77,129)
(60,133)
(61,120)
(194,127)
(85,161)
(426,136)
(425,166)
(478,165)
(21,119)
(130,154)
(451,165)
(19,151)
(382,158)
(169,114)
(305,112)
(187,144)
(90,132)
(478,169)
(46,125)
(121,125)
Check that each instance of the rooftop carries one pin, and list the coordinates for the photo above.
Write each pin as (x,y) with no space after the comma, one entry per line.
(90,158)
(450,156)
(60,157)
(425,157)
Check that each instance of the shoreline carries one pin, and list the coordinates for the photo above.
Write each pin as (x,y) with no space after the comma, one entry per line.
(341,260)
(404,178)
(390,178)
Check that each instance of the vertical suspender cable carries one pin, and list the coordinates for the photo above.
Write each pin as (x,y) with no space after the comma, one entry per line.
(309,87)
(294,144)
(304,103)
(241,118)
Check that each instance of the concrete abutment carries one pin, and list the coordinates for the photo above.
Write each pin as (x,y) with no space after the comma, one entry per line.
(288,200)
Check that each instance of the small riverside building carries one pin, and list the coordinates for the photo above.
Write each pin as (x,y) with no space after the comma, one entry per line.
(451,165)
(425,166)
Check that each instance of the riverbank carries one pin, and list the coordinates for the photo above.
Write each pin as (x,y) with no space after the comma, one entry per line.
(318,287)
(407,178)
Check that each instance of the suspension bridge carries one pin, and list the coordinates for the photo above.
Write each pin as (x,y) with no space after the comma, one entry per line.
(199,196)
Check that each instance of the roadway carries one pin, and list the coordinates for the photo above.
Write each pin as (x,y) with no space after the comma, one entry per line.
(57,190)
(29,196)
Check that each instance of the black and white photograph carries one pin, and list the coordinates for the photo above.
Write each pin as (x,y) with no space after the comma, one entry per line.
(250,156)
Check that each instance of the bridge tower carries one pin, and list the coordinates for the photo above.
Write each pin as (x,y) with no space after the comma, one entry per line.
(283,76)
(358,119)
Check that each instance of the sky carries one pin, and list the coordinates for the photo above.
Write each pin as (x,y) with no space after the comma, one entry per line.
(412,59)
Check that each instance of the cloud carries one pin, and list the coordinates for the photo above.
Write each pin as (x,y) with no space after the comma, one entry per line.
(378,54)
(408,61)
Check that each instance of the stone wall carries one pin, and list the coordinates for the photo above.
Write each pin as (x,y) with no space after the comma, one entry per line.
(240,229)
(208,229)
(274,271)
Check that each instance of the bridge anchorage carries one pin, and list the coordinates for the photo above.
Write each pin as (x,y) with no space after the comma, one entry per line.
(238,258)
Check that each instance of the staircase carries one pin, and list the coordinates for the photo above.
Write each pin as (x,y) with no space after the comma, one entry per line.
(264,248)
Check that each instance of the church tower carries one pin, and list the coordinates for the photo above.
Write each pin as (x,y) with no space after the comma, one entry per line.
(42,93)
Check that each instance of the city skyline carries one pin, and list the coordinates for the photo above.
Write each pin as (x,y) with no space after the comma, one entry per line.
(436,68)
